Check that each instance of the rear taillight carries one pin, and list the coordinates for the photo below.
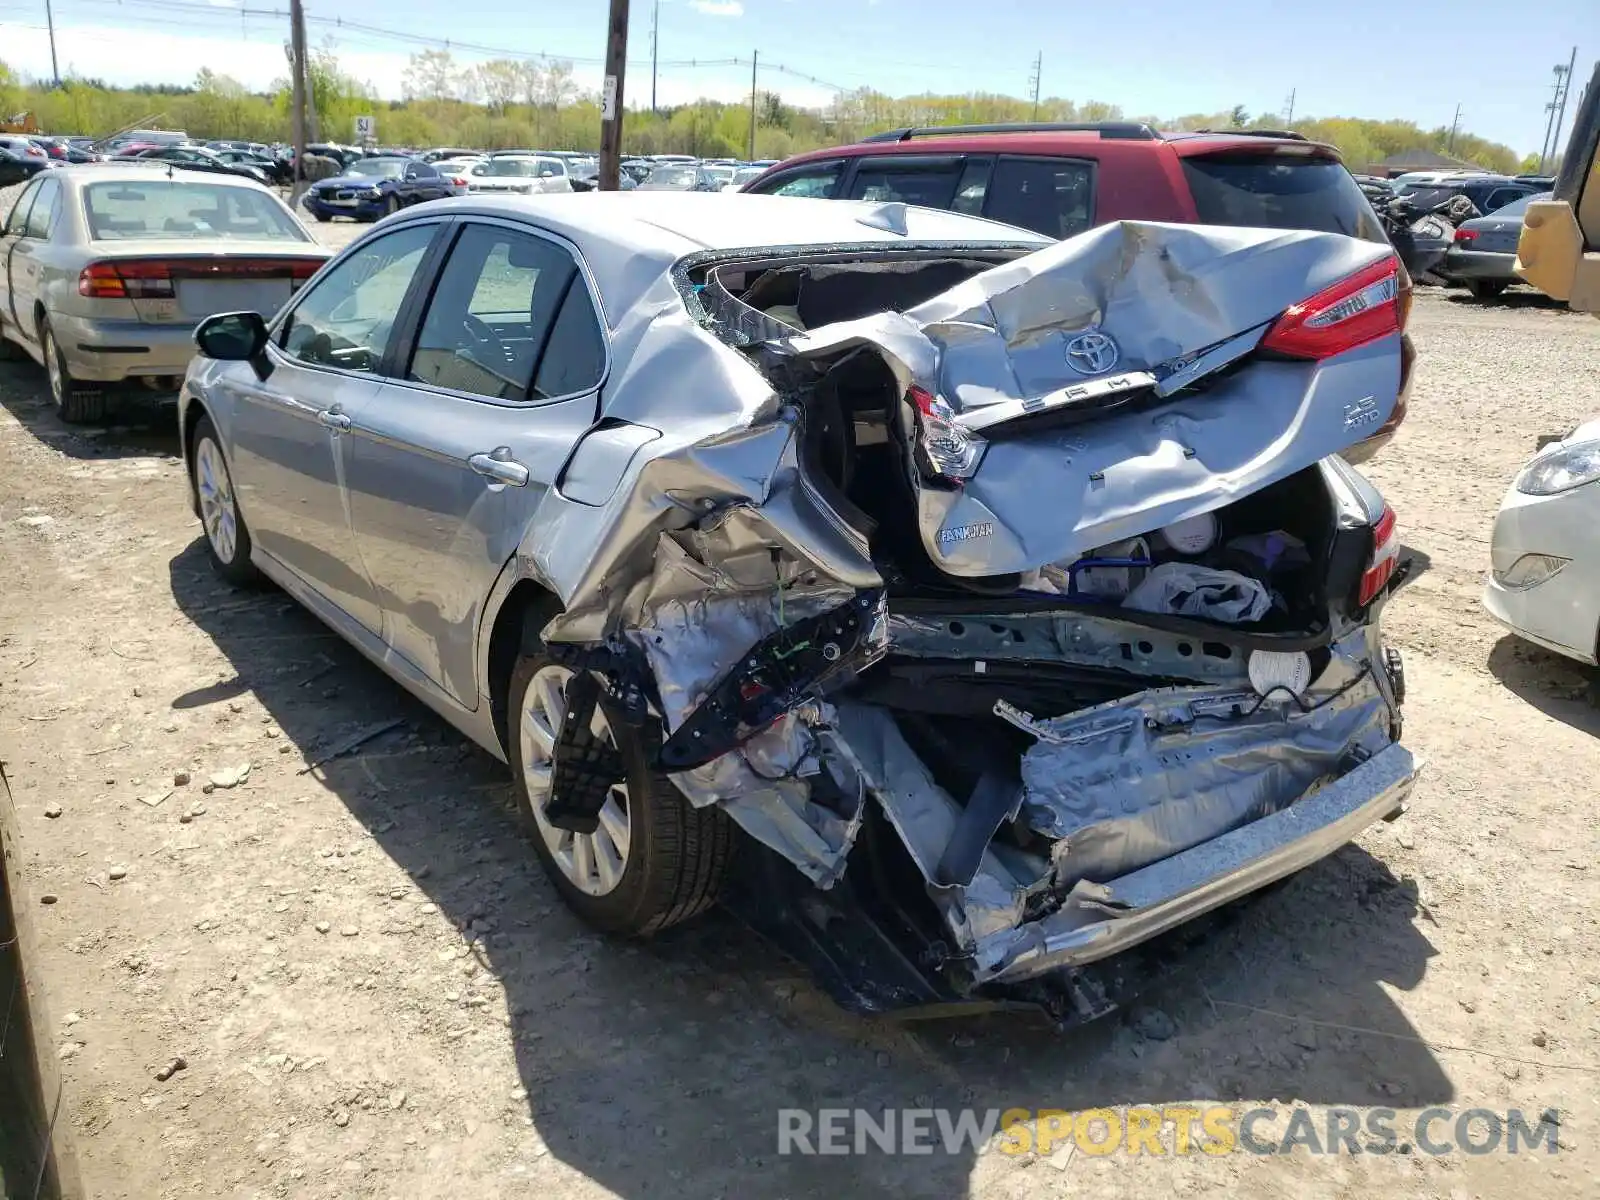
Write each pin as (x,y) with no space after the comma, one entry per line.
(1466,235)
(1358,309)
(945,452)
(157,278)
(460,181)
(1385,556)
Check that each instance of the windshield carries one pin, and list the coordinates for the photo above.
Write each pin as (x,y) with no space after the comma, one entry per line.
(521,167)
(720,174)
(178,209)
(1518,208)
(377,168)
(683,177)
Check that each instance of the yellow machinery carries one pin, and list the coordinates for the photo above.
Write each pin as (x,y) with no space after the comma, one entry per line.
(1559,251)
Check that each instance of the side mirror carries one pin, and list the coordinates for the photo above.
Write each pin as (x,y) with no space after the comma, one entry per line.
(235,337)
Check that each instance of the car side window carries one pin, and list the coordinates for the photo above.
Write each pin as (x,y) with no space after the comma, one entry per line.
(930,183)
(347,318)
(17,219)
(817,181)
(498,306)
(42,217)
(575,354)
(1052,196)
(1501,197)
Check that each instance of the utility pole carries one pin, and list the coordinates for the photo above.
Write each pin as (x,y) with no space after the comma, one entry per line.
(297,113)
(611,96)
(755,58)
(1450,148)
(1557,108)
(1561,114)
(50,21)
(655,38)
(1034,81)
(1288,120)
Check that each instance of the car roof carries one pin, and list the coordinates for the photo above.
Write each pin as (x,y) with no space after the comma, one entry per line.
(630,239)
(125,172)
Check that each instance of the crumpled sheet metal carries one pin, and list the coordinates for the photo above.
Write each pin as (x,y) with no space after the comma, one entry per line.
(1139,779)
(693,621)
(1164,294)
(924,815)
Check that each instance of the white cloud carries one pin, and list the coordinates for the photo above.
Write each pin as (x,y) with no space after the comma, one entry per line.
(718,8)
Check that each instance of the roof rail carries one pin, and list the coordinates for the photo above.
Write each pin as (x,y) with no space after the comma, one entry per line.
(1266,133)
(1136,131)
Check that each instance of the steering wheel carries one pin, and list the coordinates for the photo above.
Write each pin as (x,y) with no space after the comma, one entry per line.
(484,340)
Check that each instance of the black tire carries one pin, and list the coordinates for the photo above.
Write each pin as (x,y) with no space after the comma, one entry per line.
(1485,289)
(678,855)
(75,403)
(324,217)
(391,205)
(236,567)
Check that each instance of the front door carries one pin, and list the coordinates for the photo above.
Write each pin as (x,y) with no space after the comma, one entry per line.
(288,432)
(450,460)
(16,224)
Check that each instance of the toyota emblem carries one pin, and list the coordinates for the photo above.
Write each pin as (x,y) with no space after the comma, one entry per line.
(1091,353)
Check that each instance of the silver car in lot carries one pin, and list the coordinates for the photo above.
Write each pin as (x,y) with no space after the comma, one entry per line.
(963,608)
(105,271)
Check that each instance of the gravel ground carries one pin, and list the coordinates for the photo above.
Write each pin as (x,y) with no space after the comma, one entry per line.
(376,993)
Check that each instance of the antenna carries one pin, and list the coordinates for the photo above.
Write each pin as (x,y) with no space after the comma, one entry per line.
(1034,81)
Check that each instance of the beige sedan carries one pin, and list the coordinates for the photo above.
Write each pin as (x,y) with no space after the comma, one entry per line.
(105,271)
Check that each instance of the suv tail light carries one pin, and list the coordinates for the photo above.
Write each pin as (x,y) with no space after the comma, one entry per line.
(1358,309)
(1385,557)
(156,278)
(1466,235)
(945,452)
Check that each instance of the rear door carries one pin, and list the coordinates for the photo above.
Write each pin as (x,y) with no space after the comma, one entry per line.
(1052,196)
(928,180)
(448,462)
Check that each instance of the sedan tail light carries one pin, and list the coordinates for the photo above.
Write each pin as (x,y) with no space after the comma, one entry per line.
(945,452)
(1361,308)
(1466,235)
(156,278)
(1385,557)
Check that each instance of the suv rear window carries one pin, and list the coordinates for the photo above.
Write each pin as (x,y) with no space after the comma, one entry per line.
(1279,191)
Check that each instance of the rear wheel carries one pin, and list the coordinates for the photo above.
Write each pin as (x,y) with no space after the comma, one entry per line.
(321,216)
(654,860)
(391,205)
(75,403)
(227,536)
(1486,289)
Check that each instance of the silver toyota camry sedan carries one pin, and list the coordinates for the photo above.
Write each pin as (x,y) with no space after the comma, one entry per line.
(964,609)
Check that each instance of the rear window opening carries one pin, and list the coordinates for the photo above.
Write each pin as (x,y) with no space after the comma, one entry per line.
(165,209)
(1280,191)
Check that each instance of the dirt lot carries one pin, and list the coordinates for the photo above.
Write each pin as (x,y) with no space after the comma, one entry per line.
(377,994)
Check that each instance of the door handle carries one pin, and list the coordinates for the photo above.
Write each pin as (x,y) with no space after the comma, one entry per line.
(333,418)
(499,466)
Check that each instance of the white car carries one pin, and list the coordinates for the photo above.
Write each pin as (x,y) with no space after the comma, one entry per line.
(518,175)
(1545,579)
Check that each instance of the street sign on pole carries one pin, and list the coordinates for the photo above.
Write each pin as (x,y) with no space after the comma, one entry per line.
(366,129)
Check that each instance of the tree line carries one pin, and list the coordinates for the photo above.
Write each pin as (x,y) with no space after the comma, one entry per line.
(506,104)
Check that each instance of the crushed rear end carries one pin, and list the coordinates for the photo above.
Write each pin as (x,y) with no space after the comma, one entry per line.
(1017,603)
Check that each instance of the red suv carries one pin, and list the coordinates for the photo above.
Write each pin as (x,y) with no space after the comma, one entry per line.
(1062,179)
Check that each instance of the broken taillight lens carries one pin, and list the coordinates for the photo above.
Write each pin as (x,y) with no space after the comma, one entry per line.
(1358,309)
(945,451)
(1385,557)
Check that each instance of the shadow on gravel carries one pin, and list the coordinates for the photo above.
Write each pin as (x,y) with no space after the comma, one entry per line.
(659,1069)
(1515,298)
(141,425)
(1557,686)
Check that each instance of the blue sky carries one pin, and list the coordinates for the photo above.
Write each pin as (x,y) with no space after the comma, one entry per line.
(1353,58)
